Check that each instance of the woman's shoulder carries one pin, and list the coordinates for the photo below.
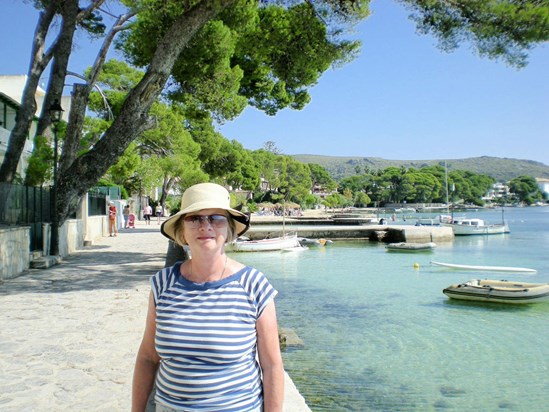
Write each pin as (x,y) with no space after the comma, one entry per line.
(166,276)
(250,276)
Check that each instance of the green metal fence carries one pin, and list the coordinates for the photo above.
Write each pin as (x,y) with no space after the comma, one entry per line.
(31,206)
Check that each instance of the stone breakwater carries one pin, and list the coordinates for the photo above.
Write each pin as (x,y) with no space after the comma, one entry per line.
(271,226)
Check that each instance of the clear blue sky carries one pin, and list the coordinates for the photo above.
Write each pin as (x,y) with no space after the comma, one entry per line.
(402,98)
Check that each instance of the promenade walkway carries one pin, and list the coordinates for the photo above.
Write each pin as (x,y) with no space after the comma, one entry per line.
(69,334)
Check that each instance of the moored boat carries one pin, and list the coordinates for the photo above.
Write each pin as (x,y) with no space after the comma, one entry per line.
(263,245)
(475,226)
(499,291)
(304,241)
(484,267)
(411,247)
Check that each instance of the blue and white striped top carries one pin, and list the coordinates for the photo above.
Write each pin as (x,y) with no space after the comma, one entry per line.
(206,339)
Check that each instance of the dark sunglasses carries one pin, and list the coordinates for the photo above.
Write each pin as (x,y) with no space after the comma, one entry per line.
(195,221)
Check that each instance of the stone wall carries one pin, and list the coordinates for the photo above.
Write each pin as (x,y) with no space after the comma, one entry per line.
(15,253)
(14,250)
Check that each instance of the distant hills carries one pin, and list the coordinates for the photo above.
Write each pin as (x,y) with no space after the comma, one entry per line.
(501,169)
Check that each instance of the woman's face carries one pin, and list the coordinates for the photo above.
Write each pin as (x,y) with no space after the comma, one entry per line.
(206,229)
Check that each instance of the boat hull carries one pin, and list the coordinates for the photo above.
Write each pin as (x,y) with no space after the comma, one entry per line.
(480,230)
(484,268)
(499,291)
(410,247)
(266,245)
(466,227)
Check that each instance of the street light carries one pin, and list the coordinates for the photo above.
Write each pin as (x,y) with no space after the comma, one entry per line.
(56,112)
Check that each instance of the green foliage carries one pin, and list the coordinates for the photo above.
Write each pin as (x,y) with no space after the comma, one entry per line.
(526,189)
(361,199)
(39,169)
(116,80)
(173,204)
(424,185)
(321,177)
(265,56)
(505,29)
(501,169)
(337,200)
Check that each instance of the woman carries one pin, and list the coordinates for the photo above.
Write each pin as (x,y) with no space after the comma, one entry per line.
(113,230)
(211,336)
(126,213)
(147,212)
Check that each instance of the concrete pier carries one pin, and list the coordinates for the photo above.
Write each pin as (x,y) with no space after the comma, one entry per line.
(272,227)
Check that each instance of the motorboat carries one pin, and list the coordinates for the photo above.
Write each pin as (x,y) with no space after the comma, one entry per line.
(410,247)
(475,226)
(287,241)
(499,291)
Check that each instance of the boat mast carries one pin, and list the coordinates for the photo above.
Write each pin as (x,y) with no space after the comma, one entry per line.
(446,184)
(284,217)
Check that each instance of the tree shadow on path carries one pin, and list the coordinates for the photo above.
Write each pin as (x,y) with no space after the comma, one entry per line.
(120,265)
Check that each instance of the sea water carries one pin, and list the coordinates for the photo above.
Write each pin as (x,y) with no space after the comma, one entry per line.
(379,334)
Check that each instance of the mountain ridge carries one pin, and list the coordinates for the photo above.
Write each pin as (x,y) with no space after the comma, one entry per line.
(502,169)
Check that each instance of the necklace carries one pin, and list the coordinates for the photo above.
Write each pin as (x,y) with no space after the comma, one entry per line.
(220,277)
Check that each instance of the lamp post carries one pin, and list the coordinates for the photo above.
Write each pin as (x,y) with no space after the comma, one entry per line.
(56,112)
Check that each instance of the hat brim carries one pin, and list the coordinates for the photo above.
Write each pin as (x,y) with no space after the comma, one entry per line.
(241,220)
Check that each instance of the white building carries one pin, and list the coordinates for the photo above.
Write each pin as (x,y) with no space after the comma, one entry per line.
(498,191)
(543,185)
(11,93)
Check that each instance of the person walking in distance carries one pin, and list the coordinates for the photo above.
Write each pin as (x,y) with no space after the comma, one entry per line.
(113,230)
(126,213)
(211,336)
(147,212)
(159,212)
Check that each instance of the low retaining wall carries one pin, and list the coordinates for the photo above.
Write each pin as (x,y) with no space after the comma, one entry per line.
(14,250)
(15,255)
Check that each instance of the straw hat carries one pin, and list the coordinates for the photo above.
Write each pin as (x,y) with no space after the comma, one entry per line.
(205,196)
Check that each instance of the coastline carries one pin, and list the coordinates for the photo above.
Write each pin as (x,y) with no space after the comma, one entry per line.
(71,332)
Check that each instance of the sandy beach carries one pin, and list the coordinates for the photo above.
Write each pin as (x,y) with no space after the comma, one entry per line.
(70,333)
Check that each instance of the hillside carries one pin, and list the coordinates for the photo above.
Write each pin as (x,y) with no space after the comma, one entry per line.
(501,169)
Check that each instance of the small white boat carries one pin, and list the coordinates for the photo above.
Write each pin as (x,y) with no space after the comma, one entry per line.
(263,245)
(410,247)
(476,226)
(484,268)
(499,291)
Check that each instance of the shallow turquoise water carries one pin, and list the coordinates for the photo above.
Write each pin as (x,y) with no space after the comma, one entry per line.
(380,335)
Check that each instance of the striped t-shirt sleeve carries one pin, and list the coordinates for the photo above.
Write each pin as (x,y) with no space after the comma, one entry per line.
(259,289)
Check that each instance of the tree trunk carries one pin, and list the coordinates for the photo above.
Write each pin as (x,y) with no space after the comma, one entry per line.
(79,101)
(63,48)
(133,119)
(25,114)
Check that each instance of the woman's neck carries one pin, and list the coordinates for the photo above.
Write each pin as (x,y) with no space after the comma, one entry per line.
(207,268)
